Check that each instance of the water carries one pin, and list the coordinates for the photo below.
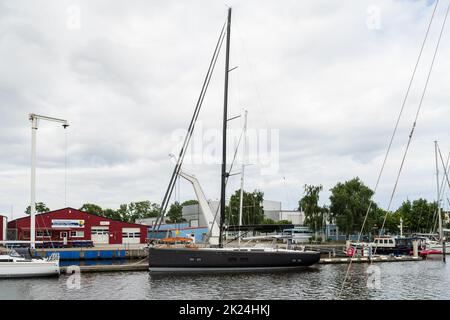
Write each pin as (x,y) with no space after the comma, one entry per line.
(399,280)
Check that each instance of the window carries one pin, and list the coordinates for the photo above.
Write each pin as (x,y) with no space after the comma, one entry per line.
(243,259)
(199,259)
(232,259)
(131,234)
(76,234)
(42,233)
(191,259)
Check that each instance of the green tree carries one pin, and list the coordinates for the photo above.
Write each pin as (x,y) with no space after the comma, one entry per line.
(391,225)
(40,208)
(314,214)
(268,221)
(252,207)
(138,210)
(418,216)
(349,202)
(112,214)
(175,213)
(92,209)
(189,202)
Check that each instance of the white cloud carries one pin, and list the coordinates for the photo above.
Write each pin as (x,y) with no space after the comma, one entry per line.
(129,76)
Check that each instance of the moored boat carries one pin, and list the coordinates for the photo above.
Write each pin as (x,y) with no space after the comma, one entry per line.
(14,265)
(217,257)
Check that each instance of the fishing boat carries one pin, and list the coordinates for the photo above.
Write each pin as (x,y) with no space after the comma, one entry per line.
(216,257)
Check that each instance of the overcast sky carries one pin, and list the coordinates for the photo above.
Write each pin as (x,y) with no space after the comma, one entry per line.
(325,77)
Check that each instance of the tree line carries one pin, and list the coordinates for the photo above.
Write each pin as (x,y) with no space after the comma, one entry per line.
(349,203)
(128,212)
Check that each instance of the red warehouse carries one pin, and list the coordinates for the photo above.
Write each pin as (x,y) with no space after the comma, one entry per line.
(74,225)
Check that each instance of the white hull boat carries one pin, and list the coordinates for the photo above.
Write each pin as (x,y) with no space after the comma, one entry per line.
(16,266)
(438,246)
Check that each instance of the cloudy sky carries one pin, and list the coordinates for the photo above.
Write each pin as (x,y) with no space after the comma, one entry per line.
(326,78)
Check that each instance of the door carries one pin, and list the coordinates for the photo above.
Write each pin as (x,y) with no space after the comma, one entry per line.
(63,236)
(100,234)
(131,235)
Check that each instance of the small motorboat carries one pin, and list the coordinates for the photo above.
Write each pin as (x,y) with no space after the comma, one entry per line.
(431,254)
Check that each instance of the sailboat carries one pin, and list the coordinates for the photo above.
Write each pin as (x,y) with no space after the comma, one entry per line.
(216,257)
(17,264)
(438,248)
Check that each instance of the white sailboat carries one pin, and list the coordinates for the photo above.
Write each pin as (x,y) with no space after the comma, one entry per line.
(439,246)
(15,265)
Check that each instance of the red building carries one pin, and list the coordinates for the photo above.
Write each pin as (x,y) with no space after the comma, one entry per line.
(3,225)
(70,224)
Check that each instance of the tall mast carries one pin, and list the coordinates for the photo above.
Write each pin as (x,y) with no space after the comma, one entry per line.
(241,199)
(438,192)
(224,133)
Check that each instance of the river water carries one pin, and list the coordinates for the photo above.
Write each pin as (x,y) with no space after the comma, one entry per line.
(398,280)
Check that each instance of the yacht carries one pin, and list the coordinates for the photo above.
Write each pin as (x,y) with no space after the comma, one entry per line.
(14,265)
(218,257)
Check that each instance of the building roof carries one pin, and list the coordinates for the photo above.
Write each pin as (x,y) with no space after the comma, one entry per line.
(261,227)
(70,208)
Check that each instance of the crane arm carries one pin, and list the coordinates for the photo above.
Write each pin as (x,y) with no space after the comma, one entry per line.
(205,208)
(35,117)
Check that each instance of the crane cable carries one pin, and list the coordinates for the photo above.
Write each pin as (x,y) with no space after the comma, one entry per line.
(394,133)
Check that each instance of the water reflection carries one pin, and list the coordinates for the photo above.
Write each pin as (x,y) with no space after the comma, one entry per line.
(399,280)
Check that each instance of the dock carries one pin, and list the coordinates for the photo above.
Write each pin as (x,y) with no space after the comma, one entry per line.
(140,266)
(367,260)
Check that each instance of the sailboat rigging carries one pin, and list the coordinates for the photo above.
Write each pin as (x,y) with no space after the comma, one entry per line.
(220,258)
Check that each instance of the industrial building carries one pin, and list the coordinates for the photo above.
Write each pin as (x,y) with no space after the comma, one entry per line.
(71,225)
(272,210)
(169,230)
(183,230)
(3,226)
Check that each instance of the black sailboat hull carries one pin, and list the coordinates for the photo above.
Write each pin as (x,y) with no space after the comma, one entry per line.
(202,260)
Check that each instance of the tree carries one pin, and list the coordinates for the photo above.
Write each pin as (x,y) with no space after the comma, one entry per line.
(252,207)
(418,216)
(268,221)
(138,210)
(314,214)
(92,209)
(349,202)
(40,208)
(189,202)
(175,213)
(112,214)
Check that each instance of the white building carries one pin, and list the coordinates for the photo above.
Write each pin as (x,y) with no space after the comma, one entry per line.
(296,217)
(272,210)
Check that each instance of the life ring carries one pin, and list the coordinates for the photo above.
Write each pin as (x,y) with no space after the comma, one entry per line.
(351,251)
